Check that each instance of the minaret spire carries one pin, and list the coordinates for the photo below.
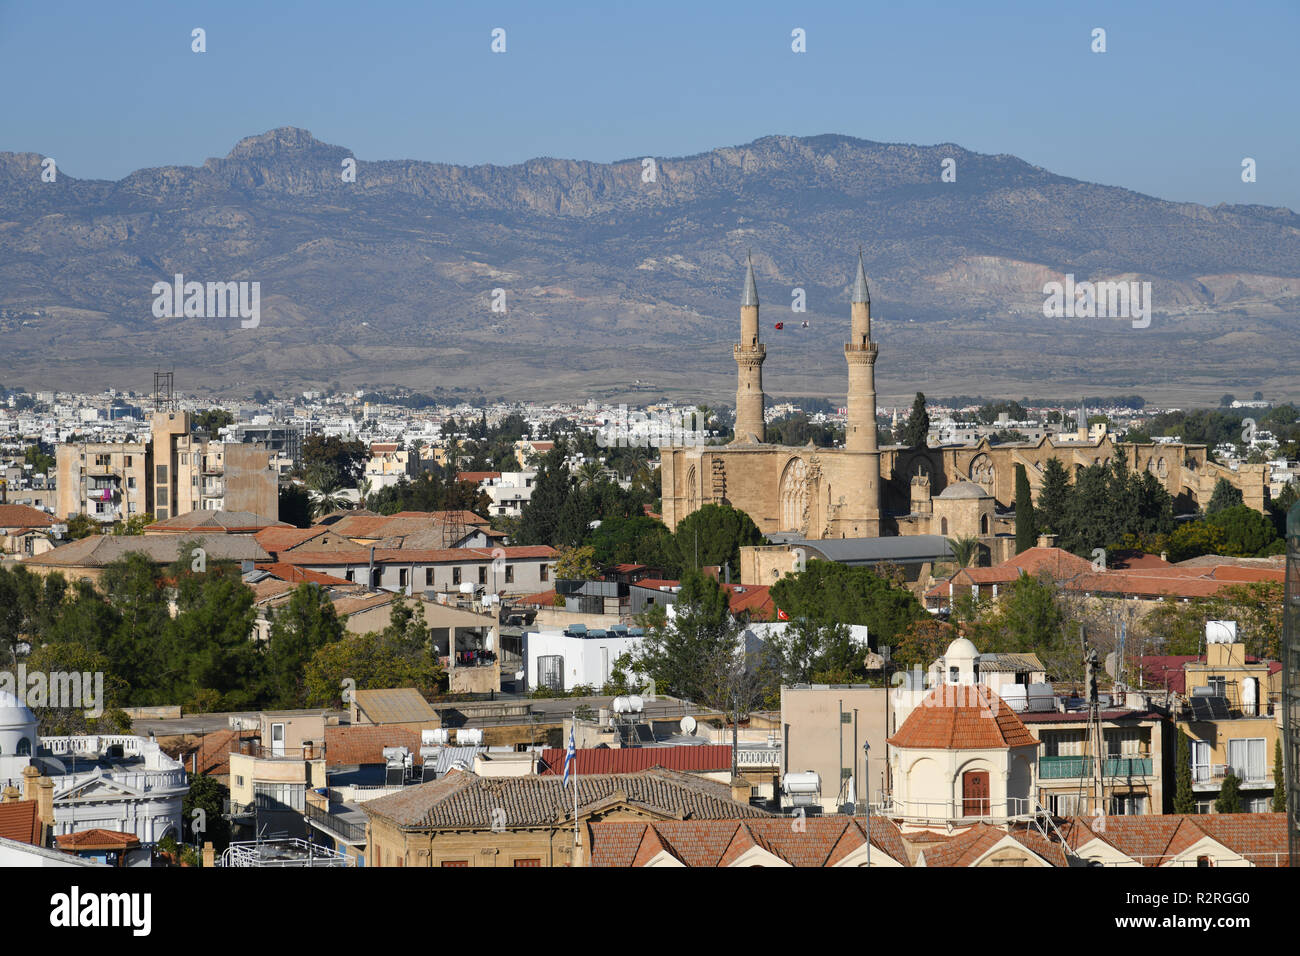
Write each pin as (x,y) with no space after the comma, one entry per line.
(749,354)
(860,353)
(860,291)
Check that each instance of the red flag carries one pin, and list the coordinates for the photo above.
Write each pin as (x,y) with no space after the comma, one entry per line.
(781,615)
(779,325)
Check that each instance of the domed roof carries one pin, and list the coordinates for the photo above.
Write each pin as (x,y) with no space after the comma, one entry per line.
(961,650)
(964,489)
(14,714)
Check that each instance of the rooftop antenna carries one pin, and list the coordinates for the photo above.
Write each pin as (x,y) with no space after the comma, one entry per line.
(163,400)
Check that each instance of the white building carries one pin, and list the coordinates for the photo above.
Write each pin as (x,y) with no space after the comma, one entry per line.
(509,491)
(112,782)
(563,660)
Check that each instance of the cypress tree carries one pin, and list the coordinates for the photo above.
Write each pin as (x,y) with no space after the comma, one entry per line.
(1184,801)
(917,426)
(1229,800)
(1279,778)
(1026,519)
(1053,498)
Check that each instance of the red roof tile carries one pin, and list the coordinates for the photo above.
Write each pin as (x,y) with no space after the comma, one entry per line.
(962,717)
(24,516)
(19,822)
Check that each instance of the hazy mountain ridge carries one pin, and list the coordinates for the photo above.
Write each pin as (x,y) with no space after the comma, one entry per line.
(586,252)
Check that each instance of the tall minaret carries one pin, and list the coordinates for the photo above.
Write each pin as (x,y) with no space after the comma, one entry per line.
(750,354)
(860,353)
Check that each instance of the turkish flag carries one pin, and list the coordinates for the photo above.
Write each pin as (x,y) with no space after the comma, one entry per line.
(781,615)
(779,325)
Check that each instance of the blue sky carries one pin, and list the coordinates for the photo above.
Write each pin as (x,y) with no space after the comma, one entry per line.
(1184,92)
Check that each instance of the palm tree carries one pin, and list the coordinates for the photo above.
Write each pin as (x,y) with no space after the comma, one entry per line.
(964,549)
(588,474)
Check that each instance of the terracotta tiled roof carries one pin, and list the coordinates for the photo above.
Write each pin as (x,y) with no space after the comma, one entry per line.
(358,746)
(276,540)
(698,759)
(98,550)
(97,839)
(213,750)
(1153,840)
(24,516)
(961,717)
(19,822)
(541,598)
(464,800)
(216,521)
(969,846)
(295,575)
(815,842)
(474,477)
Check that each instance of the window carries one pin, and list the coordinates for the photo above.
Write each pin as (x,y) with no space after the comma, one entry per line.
(455,575)
(1248,759)
(510,574)
(532,862)
(130,482)
(402,578)
(544,572)
(160,474)
(454,863)
(1128,804)
(279,796)
(1219,683)
(428,577)
(161,497)
(128,463)
(1201,768)
(24,747)
(239,781)
(482,575)
(1204,861)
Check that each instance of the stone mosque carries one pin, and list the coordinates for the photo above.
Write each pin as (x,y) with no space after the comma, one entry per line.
(861,490)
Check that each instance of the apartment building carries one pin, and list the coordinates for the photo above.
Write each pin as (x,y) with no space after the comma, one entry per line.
(175,472)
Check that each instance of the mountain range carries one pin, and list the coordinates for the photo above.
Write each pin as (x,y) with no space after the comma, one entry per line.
(621,280)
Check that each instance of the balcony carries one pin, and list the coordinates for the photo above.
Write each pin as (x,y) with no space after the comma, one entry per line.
(1209,776)
(1072,768)
(344,824)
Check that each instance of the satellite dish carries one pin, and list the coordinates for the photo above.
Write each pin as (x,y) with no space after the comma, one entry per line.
(688,725)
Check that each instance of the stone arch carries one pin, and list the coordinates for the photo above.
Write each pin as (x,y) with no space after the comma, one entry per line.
(943,526)
(983,472)
(793,495)
(984,524)
(692,496)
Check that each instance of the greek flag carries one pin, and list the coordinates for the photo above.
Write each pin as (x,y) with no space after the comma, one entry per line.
(569,756)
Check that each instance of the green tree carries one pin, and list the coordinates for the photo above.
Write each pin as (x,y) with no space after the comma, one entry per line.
(1026,618)
(1229,799)
(577,564)
(1246,532)
(133,525)
(638,539)
(828,592)
(346,460)
(922,642)
(1279,778)
(295,505)
(82,526)
(917,427)
(299,629)
(208,795)
(691,655)
(1184,798)
(1053,499)
(540,517)
(212,420)
(1026,523)
(713,535)
(1225,495)
(964,549)
(69,658)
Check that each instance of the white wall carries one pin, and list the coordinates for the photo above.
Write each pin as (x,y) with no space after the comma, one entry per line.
(583,660)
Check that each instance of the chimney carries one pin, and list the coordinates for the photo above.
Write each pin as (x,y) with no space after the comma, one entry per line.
(741,790)
(1164,555)
(307,751)
(209,854)
(41,789)
(1047,540)
(10,795)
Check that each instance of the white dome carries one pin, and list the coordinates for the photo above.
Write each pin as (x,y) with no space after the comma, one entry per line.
(961,650)
(14,714)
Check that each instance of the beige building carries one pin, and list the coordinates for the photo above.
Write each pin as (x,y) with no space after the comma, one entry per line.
(175,472)
(467,820)
(824,728)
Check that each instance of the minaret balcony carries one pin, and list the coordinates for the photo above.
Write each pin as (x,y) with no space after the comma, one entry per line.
(749,354)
